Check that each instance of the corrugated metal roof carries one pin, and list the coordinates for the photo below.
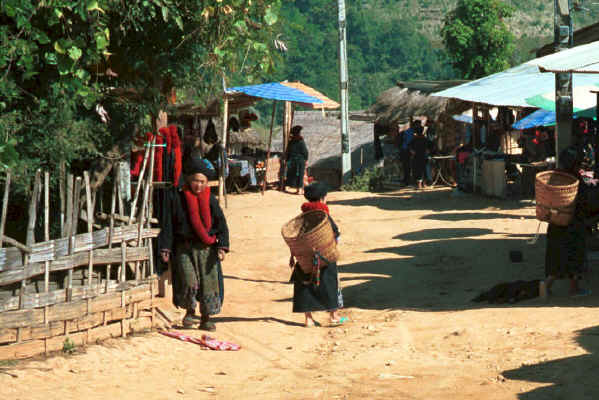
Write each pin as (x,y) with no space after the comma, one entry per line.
(583,59)
(326,102)
(275,91)
(513,86)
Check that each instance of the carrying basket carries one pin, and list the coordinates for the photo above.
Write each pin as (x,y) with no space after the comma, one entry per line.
(308,233)
(555,195)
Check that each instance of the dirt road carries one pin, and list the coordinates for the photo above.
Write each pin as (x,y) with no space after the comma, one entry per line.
(411,263)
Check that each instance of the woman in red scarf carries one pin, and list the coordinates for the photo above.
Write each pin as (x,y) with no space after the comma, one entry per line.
(195,240)
(326,295)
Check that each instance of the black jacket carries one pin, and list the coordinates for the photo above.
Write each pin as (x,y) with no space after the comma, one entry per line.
(178,227)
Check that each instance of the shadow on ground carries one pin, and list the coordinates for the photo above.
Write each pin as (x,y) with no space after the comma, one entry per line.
(569,378)
(440,200)
(447,273)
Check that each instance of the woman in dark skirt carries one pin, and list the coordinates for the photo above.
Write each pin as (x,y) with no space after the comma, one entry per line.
(195,238)
(297,156)
(565,253)
(323,294)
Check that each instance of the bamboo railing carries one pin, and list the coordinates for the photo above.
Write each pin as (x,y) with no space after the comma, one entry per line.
(87,285)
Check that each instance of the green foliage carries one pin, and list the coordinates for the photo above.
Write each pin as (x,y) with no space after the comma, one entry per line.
(370,180)
(477,38)
(68,347)
(60,59)
(383,47)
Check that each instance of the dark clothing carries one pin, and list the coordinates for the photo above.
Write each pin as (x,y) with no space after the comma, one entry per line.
(566,248)
(297,155)
(406,163)
(326,296)
(197,277)
(309,297)
(197,272)
(419,145)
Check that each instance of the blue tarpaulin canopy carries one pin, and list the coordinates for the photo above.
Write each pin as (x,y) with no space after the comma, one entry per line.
(275,91)
(547,118)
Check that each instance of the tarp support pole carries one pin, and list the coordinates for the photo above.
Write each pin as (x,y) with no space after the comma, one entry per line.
(222,192)
(272,122)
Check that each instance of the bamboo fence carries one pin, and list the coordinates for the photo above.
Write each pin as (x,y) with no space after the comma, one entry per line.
(86,286)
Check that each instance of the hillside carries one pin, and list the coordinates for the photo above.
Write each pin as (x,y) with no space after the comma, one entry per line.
(391,40)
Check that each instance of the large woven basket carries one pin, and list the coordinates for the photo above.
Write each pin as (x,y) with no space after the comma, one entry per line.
(308,233)
(555,195)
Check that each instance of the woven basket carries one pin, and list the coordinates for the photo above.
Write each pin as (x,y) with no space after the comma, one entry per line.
(555,195)
(308,233)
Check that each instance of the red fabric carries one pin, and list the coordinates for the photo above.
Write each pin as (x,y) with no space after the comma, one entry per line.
(315,205)
(198,209)
(176,146)
(206,342)
(137,157)
(166,137)
(158,159)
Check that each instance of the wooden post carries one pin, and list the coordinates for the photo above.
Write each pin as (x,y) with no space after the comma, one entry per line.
(4,207)
(139,181)
(142,210)
(90,225)
(62,189)
(33,209)
(69,208)
(46,237)
(73,232)
(115,188)
(222,192)
(272,122)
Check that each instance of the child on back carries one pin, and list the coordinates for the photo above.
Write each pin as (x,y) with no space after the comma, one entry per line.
(325,295)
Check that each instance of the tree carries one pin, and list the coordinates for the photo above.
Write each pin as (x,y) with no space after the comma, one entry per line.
(60,59)
(477,38)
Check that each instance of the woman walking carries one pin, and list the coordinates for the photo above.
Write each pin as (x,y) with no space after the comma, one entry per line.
(195,238)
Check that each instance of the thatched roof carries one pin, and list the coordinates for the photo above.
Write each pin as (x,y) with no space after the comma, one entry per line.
(397,105)
(247,136)
(212,109)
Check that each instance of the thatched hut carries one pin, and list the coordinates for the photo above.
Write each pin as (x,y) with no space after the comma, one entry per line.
(396,106)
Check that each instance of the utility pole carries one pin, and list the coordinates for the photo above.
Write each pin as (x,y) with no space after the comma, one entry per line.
(344,95)
(564,39)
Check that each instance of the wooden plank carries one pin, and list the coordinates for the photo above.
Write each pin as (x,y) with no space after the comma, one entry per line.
(33,209)
(53,249)
(10,257)
(56,328)
(102,257)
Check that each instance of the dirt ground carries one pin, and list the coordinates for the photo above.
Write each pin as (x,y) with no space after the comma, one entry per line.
(411,263)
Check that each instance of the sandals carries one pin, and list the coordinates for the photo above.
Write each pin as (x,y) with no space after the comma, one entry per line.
(340,321)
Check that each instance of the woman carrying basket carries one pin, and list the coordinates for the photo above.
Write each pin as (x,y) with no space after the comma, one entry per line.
(565,254)
(320,293)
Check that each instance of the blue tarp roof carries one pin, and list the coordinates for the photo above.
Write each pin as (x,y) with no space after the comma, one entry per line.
(275,91)
(538,118)
(512,87)
(547,118)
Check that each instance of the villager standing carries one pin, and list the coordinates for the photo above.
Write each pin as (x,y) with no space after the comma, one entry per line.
(404,150)
(565,255)
(195,239)
(297,157)
(419,148)
(323,293)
